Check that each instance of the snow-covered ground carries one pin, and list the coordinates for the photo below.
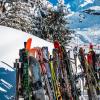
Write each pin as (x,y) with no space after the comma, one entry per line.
(11,41)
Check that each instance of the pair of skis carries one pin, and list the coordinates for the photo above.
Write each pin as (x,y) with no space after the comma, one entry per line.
(71,78)
(42,55)
(47,76)
(22,75)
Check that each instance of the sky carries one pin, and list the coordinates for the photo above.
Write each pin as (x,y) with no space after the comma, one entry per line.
(71,2)
(55,1)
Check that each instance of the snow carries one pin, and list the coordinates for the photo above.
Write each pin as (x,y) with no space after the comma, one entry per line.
(13,40)
(89,1)
(2,90)
(86,3)
(95,8)
(86,27)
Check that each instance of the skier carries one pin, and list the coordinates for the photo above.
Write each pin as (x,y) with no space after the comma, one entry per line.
(91,58)
(81,57)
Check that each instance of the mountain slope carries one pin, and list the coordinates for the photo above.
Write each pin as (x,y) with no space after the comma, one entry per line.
(13,40)
(87,25)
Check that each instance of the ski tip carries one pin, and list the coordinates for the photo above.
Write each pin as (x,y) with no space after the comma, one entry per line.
(28,44)
(56,44)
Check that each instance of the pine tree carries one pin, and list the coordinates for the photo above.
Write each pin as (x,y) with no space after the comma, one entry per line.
(40,11)
(55,24)
(37,17)
(18,16)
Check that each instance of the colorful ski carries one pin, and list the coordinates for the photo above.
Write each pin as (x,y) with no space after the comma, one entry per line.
(74,90)
(59,56)
(28,44)
(48,74)
(36,79)
(53,80)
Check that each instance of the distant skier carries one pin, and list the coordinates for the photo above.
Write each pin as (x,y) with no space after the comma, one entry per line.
(91,57)
(82,58)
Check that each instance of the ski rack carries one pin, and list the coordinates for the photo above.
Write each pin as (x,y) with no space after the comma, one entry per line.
(56,72)
(23,88)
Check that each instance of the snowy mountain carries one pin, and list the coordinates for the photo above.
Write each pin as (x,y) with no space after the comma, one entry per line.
(12,41)
(95,10)
(78,5)
(86,24)
(84,20)
(87,27)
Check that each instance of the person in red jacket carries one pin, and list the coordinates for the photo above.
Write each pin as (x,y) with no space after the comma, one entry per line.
(92,57)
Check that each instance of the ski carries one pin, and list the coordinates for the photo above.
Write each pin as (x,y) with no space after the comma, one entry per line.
(19,86)
(28,44)
(22,73)
(72,81)
(48,74)
(54,80)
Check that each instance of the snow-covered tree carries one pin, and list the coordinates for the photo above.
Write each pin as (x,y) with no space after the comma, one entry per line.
(55,24)
(37,17)
(40,11)
(17,15)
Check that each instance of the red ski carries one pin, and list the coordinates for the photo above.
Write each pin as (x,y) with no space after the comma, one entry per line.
(28,44)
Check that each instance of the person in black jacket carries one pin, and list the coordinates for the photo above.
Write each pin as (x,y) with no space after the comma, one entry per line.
(82,58)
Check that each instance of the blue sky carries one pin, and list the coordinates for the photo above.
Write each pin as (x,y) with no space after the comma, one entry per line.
(73,3)
(55,1)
